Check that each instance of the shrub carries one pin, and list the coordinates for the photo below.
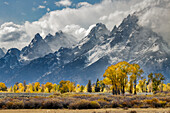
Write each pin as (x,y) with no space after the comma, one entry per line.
(136,106)
(147,101)
(57,94)
(84,104)
(126,104)
(67,101)
(155,100)
(14,105)
(168,105)
(159,104)
(32,104)
(2,103)
(135,102)
(115,104)
(165,99)
(52,104)
(81,96)
(103,103)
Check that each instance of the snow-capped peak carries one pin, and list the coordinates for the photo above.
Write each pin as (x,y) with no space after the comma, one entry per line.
(60,39)
(99,30)
(59,33)
(13,52)
(37,38)
(37,48)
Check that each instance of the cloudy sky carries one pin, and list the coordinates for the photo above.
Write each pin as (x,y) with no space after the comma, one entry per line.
(20,20)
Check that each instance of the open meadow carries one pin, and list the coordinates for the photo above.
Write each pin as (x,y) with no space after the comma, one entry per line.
(87,101)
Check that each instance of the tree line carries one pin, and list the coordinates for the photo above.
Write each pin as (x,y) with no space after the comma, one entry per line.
(125,76)
(118,79)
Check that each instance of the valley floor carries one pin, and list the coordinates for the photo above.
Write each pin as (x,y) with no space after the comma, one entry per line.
(130,110)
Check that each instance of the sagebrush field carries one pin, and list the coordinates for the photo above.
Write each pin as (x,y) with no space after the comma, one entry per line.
(86,101)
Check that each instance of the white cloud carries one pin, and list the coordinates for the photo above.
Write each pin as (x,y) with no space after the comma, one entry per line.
(81,4)
(157,18)
(6,3)
(13,35)
(48,9)
(41,7)
(63,3)
(109,12)
(79,19)
(75,30)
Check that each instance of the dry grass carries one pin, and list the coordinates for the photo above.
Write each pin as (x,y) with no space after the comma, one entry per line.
(78,101)
(130,110)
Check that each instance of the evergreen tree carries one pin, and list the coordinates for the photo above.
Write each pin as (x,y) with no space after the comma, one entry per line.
(97,87)
(25,86)
(89,88)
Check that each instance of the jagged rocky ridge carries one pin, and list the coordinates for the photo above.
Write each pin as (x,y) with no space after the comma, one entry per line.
(59,40)
(2,52)
(91,56)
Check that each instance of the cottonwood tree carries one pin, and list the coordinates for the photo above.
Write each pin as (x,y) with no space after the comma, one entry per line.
(36,86)
(142,84)
(150,82)
(157,80)
(49,85)
(110,78)
(102,85)
(3,87)
(117,76)
(136,72)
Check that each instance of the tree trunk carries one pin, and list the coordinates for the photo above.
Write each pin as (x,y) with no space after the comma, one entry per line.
(123,91)
(131,87)
(102,89)
(151,86)
(162,87)
(116,89)
(135,87)
(113,91)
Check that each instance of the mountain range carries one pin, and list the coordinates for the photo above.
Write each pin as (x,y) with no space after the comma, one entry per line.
(64,57)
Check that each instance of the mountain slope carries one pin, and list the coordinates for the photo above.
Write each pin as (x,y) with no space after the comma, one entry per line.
(1,53)
(129,42)
(59,40)
(37,48)
(101,48)
(9,64)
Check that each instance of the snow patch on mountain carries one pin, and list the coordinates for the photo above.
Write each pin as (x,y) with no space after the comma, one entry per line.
(59,40)
(1,53)
(37,48)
